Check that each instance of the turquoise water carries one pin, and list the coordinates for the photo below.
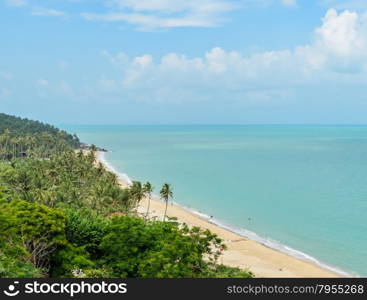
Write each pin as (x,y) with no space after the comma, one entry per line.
(300,186)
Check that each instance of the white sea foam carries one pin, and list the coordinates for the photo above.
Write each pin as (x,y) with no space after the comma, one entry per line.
(122,176)
(271,244)
(240,231)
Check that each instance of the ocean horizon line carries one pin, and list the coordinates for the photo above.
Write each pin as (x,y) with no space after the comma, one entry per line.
(211,124)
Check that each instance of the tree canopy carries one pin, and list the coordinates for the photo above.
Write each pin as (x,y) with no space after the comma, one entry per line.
(22,137)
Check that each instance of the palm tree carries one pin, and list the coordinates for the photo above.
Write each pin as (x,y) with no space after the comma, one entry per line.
(92,156)
(166,193)
(136,192)
(148,190)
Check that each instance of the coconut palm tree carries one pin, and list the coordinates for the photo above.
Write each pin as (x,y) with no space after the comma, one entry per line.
(136,192)
(166,193)
(148,190)
(92,156)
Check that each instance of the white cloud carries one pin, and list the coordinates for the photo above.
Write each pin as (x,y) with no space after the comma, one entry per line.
(171,6)
(47,12)
(107,85)
(289,3)
(4,93)
(16,3)
(62,65)
(65,88)
(150,15)
(340,43)
(338,54)
(150,22)
(6,75)
(42,82)
(144,61)
(37,10)
(343,34)
(155,14)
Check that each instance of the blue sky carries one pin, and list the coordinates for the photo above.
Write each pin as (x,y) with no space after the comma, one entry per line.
(184,61)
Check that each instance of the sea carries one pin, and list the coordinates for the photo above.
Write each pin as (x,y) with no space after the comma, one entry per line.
(300,189)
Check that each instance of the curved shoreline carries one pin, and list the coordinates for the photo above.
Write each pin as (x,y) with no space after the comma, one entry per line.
(246,249)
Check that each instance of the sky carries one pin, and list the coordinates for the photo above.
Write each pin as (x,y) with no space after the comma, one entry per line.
(184,61)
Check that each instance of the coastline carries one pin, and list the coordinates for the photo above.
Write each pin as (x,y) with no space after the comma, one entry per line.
(243,251)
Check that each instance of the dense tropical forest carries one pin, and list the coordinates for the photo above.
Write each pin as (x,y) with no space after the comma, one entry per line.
(62,214)
(22,137)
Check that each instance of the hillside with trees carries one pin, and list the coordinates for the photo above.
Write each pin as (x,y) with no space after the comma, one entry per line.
(22,137)
(64,215)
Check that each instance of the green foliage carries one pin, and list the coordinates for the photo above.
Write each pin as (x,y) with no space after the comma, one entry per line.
(70,179)
(148,189)
(39,229)
(15,261)
(166,193)
(134,248)
(6,228)
(22,137)
(24,127)
(12,256)
(85,228)
(136,192)
(13,264)
(97,273)
(222,271)
(69,259)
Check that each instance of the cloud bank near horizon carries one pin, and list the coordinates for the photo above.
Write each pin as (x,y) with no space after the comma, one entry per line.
(336,55)
(332,64)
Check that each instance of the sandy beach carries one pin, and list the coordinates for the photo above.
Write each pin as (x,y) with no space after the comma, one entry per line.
(242,252)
